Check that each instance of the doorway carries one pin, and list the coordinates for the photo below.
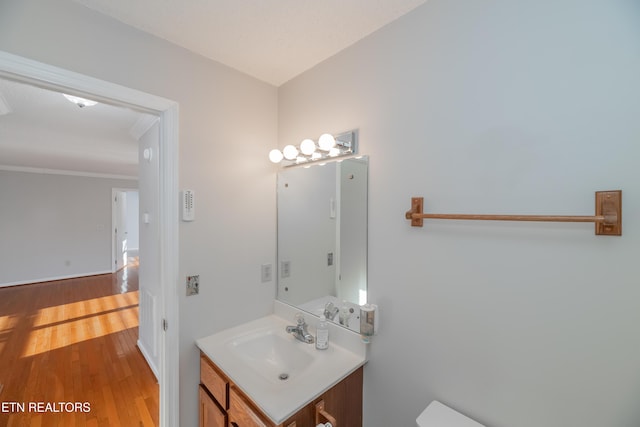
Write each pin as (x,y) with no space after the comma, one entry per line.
(50,77)
(124,223)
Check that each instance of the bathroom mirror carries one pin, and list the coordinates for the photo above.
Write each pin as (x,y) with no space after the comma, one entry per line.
(322,238)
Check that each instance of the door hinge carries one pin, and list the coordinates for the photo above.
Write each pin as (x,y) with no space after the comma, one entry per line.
(165,324)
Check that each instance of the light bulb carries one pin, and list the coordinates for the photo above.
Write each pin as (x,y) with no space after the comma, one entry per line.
(316,156)
(307,147)
(334,152)
(326,142)
(290,152)
(275,155)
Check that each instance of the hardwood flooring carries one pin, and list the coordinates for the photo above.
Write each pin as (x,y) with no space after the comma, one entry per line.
(68,354)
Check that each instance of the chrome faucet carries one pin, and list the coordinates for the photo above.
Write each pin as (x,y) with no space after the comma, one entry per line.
(300,330)
(330,310)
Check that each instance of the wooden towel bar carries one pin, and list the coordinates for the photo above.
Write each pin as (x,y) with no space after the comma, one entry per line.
(608,217)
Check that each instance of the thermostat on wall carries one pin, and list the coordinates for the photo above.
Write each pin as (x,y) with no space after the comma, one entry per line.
(187,200)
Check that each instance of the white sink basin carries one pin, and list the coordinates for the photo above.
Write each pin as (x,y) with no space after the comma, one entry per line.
(279,373)
(272,356)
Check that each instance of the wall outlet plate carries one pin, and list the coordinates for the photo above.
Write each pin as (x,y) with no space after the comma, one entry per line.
(193,285)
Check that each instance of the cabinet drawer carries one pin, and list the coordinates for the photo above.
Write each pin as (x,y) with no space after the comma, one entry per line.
(241,413)
(215,381)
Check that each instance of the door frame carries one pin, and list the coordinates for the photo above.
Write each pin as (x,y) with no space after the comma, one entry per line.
(50,77)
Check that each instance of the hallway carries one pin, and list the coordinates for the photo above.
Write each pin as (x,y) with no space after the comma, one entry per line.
(68,354)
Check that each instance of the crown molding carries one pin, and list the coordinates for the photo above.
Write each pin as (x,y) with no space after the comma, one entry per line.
(44,171)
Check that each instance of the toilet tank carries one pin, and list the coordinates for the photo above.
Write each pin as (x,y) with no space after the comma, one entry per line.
(439,415)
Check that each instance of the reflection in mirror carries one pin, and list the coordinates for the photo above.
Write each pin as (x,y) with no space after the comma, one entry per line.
(322,239)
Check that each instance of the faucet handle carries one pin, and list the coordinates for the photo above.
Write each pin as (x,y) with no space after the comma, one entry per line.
(299,318)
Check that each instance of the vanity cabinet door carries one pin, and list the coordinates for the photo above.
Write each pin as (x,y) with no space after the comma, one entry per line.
(210,414)
(344,400)
(242,414)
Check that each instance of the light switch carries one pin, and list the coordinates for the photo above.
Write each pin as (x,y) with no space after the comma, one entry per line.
(266,271)
(285,269)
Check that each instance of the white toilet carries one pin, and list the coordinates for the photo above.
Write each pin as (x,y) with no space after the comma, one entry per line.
(439,415)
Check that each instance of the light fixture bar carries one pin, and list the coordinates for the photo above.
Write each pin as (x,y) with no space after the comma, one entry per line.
(347,141)
(327,148)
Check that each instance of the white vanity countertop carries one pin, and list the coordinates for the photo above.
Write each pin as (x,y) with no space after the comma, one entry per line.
(311,372)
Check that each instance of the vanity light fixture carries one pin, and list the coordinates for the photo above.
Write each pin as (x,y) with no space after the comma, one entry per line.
(80,102)
(327,148)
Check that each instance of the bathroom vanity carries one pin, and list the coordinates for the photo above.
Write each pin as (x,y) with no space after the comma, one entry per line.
(257,375)
(223,404)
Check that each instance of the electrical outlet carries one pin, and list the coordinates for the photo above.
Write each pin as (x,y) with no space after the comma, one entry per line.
(193,285)
(330,258)
(266,272)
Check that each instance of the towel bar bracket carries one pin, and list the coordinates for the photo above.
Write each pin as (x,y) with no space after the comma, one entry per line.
(609,205)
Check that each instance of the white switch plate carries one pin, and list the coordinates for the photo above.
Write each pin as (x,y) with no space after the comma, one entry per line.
(285,269)
(267,273)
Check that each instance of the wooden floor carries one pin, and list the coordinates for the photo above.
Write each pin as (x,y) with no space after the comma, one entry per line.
(68,354)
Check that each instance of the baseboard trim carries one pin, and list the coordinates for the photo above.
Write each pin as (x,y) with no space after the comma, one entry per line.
(149,360)
(51,279)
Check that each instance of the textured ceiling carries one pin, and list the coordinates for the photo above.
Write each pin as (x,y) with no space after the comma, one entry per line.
(272,40)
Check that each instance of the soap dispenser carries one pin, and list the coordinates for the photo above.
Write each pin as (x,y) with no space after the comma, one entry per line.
(322,334)
(368,322)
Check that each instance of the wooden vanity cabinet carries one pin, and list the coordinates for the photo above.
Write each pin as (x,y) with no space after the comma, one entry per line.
(228,406)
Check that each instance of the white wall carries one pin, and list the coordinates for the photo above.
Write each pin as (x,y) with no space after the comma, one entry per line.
(54,226)
(228,123)
(495,106)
